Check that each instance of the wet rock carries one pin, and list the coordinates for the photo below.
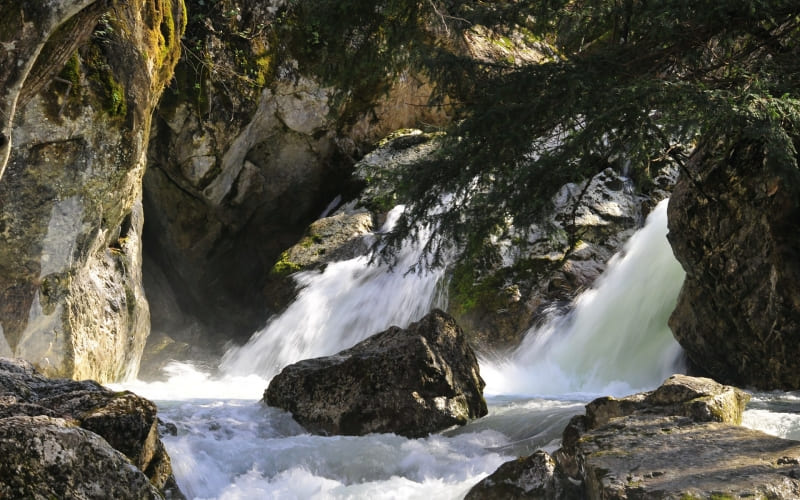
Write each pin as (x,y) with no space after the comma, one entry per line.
(74,416)
(411,382)
(71,297)
(734,225)
(532,477)
(679,441)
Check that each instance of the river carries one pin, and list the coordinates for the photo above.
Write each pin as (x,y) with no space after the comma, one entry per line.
(615,340)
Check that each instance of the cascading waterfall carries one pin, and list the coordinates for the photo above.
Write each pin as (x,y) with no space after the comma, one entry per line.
(339,307)
(229,448)
(616,339)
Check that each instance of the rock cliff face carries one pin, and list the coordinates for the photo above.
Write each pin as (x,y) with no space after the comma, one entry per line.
(677,442)
(71,297)
(411,382)
(249,148)
(26,30)
(67,439)
(734,225)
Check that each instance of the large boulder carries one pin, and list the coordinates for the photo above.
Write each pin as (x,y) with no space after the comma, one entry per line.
(71,296)
(734,225)
(411,382)
(680,441)
(88,441)
(46,457)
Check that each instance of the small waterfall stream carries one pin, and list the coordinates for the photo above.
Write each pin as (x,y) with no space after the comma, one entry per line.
(616,340)
(230,446)
(339,307)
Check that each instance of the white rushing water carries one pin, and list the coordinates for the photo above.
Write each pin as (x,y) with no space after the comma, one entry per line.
(230,446)
(339,307)
(616,340)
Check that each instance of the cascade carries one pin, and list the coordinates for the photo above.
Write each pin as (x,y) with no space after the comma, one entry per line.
(615,340)
(339,307)
(229,446)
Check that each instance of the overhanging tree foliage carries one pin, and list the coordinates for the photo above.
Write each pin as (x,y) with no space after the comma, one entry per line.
(636,82)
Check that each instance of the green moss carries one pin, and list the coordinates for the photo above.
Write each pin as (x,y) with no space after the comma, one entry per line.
(284,266)
(468,291)
(116,104)
(72,70)
(110,91)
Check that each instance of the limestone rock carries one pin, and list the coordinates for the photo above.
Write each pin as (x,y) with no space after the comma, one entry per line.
(74,416)
(411,382)
(673,457)
(32,51)
(734,225)
(71,298)
(677,442)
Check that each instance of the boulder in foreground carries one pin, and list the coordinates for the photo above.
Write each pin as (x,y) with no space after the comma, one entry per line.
(680,441)
(65,439)
(410,382)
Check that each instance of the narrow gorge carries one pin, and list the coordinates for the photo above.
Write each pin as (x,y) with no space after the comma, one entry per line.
(525,207)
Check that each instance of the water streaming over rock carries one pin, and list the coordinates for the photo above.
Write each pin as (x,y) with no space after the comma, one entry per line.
(616,339)
(230,446)
(339,307)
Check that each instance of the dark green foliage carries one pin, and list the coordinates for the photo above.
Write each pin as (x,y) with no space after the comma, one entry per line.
(637,82)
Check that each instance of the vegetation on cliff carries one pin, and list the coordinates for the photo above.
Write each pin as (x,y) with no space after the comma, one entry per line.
(634,85)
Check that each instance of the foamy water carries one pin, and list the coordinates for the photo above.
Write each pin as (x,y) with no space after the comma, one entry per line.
(339,307)
(230,446)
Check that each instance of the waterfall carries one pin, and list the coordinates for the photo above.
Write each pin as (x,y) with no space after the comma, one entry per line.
(229,446)
(615,340)
(340,306)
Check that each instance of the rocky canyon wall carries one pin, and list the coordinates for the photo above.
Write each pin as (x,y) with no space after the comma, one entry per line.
(71,298)
(734,224)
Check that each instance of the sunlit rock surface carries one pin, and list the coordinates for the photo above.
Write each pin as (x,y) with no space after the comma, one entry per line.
(66,439)
(410,382)
(680,441)
(71,297)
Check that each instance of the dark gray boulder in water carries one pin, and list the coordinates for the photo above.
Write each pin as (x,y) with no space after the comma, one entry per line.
(410,382)
(677,442)
(65,439)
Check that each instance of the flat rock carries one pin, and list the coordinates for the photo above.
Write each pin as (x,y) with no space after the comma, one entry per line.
(681,441)
(410,382)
